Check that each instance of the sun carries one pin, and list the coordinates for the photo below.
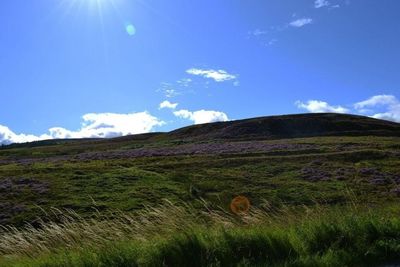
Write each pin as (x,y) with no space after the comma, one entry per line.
(95,4)
(94,7)
(101,12)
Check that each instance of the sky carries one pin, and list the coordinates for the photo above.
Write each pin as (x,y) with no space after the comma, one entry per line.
(106,68)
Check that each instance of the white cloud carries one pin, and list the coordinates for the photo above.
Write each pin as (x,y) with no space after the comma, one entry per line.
(316,106)
(167,104)
(7,136)
(257,32)
(168,90)
(114,124)
(185,82)
(321,3)
(385,107)
(171,93)
(176,88)
(100,125)
(301,22)
(272,42)
(216,75)
(378,100)
(389,103)
(201,116)
(186,85)
(393,115)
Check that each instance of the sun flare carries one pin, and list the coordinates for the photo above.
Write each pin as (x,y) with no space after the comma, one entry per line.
(92,6)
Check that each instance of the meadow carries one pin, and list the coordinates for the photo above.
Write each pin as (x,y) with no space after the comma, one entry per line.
(180,235)
(324,199)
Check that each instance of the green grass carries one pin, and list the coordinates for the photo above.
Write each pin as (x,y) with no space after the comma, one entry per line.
(129,184)
(172,235)
(319,200)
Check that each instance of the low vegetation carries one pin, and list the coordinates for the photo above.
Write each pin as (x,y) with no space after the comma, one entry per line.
(180,235)
(324,191)
(297,171)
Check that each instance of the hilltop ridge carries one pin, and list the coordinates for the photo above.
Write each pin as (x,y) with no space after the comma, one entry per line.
(259,128)
(292,126)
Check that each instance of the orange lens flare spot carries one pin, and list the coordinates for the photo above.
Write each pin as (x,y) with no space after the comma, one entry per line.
(240,205)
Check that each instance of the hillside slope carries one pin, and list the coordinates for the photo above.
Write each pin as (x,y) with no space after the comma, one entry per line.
(270,127)
(285,160)
(291,126)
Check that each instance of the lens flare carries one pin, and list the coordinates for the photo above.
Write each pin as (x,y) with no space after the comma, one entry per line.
(130,29)
(240,205)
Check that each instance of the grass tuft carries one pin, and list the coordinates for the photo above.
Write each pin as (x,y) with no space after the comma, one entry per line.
(180,235)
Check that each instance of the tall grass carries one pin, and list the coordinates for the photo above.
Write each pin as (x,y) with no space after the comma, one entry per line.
(179,235)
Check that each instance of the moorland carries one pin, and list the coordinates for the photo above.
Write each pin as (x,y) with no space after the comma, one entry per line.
(324,191)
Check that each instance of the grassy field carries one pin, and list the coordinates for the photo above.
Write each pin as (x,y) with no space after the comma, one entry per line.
(173,235)
(288,171)
(349,175)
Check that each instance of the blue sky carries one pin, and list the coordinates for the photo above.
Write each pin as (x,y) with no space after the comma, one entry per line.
(104,68)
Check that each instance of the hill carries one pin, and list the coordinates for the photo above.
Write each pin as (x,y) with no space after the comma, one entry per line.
(296,159)
(290,126)
(285,165)
(264,128)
